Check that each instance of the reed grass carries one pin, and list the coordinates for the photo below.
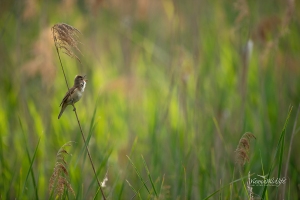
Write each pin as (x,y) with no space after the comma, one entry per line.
(65,38)
(177,82)
(59,184)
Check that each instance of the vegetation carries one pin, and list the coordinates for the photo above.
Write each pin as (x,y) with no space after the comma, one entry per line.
(184,99)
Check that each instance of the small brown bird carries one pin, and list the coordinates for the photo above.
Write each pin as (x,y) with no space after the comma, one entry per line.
(74,94)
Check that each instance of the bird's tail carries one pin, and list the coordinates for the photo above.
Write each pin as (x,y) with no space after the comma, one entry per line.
(63,107)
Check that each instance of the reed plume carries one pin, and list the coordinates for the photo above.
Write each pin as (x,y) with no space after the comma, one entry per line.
(243,149)
(66,39)
(59,183)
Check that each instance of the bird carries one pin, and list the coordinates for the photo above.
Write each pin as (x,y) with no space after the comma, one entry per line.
(74,94)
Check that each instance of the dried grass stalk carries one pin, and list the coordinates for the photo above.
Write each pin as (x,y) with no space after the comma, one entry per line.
(58,182)
(249,188)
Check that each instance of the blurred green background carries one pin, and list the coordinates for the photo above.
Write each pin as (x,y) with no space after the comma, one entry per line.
(178,82)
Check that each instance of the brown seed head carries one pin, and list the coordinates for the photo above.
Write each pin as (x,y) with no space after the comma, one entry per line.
(58,182)
(243,149)
(66,39)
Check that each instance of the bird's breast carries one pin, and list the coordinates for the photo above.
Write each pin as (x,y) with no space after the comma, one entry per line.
(77,94)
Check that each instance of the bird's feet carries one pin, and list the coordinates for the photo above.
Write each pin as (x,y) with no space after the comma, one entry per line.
(74,109)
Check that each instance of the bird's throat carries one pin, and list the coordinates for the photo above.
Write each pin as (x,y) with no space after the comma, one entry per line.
(83,87)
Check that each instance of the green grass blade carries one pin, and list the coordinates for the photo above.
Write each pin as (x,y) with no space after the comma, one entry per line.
(185,193)
(83,152)
(262,166)
(131,151)
(161,186)
(30,168)
(29,160)
(221,188)
(95,197)
(148,172)
(92,126)
(139,175)
(280,144)
(134,190)
(280,156)
(102,165)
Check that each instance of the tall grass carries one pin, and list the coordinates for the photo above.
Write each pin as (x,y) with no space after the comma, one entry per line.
(176,82)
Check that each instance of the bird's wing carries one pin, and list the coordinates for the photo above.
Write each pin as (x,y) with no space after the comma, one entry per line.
(70,92)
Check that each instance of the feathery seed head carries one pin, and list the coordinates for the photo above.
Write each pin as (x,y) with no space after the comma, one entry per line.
(66,38)
(243,149)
